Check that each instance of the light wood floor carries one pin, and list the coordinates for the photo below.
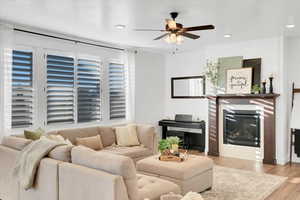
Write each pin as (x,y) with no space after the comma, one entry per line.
(290,190)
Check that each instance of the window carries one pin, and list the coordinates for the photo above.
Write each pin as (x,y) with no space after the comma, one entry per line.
(117,91)
(88,90)
(60,89)
(65,89)
(22,90)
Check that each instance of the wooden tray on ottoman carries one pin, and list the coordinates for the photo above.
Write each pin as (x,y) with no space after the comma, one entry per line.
(170,158)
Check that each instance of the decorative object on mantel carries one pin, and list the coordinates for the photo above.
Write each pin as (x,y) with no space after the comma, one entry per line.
(225,63)
(239,81)
(264,89)
(256,89)
(255,63)
(212,73)
(271,84)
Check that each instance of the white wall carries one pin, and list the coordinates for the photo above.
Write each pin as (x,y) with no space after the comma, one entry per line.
(194,63)
(184,64)
(149,87)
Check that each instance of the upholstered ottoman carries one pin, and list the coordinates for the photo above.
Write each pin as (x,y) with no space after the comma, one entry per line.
(195,174)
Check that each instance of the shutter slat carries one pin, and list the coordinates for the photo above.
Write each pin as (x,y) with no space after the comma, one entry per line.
(22,96)
(60,89)
(89,98)
(117,94)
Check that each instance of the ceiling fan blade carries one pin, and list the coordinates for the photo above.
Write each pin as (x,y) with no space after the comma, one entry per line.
(164,35)
(189,35)
(149,30)
(198,28)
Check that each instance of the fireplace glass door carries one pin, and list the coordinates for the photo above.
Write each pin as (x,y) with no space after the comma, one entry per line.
(241,127)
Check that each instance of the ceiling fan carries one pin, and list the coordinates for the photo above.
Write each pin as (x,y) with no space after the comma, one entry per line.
(175,31)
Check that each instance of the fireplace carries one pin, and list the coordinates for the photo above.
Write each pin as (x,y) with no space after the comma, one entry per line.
(265,104)
(241,127)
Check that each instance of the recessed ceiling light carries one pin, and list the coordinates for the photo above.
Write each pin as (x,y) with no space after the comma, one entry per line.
(120,26)
(290,26)
(227,36)
(290,23)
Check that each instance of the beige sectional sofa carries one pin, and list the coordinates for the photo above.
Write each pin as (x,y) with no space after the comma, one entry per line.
(146,135)
(76,173)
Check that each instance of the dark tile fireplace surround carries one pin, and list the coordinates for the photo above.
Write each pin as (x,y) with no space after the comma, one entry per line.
(242,127)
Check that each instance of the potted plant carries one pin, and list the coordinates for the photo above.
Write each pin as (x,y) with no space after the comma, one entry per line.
(174,143)
(256,89)
(164,146)
(212,73)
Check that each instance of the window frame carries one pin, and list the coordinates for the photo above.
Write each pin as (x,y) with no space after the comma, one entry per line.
(39,81)
(58,53)
(98,59)
(126,90)
(34,85)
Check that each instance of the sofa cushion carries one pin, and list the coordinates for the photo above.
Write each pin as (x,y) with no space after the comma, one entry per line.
(152,188)
(62,153)
(111,163)
(34,134)
(108,136)
(74,133)
(146,135)
(127,136)
(132,152)
(16,143)
(93,142)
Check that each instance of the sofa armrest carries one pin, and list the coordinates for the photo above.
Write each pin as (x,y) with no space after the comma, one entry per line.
(9,188)
(46,182)
(77,182)
(17,143)
(148,136)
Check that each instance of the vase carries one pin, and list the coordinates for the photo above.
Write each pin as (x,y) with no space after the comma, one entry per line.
(174,147)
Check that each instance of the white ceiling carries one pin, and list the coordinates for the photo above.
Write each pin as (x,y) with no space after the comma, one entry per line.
(95,19)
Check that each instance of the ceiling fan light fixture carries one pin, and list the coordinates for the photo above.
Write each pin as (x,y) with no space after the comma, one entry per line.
(179,39)
(172,24)
(173,38)
(167,39)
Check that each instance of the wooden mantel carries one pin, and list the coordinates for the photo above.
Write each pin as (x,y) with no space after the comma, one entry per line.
(268,101)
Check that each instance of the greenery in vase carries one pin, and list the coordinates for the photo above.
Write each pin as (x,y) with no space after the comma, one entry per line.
(173,140)
(256,89)
(163,145)
(212,72)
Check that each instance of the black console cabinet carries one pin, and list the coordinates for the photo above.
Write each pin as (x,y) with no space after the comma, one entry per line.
(191,140)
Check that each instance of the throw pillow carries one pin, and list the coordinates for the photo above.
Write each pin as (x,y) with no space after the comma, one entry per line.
(93,142)
(59,138)
(127,136)
(35,134)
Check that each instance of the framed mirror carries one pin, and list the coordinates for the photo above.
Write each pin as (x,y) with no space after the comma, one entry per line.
(188,87)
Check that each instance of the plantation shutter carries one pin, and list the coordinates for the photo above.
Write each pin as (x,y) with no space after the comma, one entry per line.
(88,90)
(117,91)
(60,89)
(22,90)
